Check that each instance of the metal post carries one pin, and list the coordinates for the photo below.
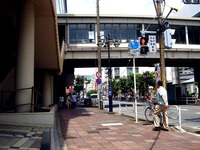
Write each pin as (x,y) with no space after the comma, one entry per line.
(120,112)
(135,90)
(161,44)
(179,117)
(109,77)
(99,55)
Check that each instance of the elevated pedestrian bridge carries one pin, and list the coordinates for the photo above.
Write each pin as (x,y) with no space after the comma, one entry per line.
(80,34)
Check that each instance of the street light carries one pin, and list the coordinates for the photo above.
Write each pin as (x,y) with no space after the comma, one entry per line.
(107,42)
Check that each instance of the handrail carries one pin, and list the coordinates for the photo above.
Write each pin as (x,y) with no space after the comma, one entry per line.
(34,91)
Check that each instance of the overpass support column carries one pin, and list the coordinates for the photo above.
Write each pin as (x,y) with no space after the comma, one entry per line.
(197,76)
(175,75)
(25,57)
(47,89)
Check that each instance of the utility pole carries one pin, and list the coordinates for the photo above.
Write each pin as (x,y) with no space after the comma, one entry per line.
(161,44)
(99,53)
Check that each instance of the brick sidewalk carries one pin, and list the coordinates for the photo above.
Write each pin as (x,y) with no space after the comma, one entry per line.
(93,129)
(14,137)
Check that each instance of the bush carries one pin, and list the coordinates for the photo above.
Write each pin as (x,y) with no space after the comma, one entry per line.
(91,92)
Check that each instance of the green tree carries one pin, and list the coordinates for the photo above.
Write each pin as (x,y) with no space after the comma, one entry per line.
(78,86)
(123,84)
(115,86)
(91,92)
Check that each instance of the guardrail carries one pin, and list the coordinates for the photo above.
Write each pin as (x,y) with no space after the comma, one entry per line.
(187,99)
(128,109)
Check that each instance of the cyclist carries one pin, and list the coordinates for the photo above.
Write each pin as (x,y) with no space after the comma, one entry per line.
(161,107)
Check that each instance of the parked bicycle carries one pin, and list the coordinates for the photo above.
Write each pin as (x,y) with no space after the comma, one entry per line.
(148,112)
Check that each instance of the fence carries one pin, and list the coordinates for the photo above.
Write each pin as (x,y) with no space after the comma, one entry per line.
(174,112)
(187,99)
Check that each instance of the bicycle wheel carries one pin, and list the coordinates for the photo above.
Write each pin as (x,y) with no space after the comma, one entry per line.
(149,114)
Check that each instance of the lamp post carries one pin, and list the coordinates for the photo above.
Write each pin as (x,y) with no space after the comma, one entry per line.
(107,43)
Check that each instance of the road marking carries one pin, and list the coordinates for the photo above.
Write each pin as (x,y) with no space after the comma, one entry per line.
(197,113)
(111,124)
(87,113)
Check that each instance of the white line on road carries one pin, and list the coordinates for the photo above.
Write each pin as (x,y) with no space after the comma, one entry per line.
(197,113)
(112,124)
(184,109)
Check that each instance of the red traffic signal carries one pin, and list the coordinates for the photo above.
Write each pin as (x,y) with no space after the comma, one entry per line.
(143,41)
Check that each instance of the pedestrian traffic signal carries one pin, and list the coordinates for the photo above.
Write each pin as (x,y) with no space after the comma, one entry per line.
(143,41)
(144,50)
(143,45)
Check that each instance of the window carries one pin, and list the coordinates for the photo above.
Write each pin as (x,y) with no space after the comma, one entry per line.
(117,73)
(179,34)
(129,70)
(81,33)
(194,35)
(123,32)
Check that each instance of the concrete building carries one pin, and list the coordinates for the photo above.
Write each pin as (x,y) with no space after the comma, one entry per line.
(31,61)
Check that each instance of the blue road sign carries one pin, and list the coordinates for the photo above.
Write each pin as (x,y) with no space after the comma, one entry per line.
(110,91)
(134,44)
(98,81)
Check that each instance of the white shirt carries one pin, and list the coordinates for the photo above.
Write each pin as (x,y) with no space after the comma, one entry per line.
(161,91)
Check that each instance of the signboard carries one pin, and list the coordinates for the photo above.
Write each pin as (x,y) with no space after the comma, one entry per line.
(98,81)
(98,74)
(134,46)
(157,72)
(152,44)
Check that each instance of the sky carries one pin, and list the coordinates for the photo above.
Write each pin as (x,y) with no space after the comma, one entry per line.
(136,7)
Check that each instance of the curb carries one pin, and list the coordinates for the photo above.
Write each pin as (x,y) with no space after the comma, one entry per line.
(63,145)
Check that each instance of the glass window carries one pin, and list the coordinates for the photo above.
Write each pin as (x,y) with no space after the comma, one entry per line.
(194,35)
(179,34)
(81,33)
(123,32)
(117,73)
(129,70)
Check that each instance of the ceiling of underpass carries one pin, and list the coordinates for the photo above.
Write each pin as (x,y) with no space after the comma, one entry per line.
(141,62)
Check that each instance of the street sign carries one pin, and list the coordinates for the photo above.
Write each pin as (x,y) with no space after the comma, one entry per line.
(134,46)
(110,92)
(98,81)
(152,44)
(98,74)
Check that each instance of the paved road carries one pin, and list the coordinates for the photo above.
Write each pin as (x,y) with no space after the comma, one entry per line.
(190,114)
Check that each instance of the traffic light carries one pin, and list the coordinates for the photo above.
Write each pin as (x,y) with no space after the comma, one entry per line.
(168,41)
(143,41)
(143,45)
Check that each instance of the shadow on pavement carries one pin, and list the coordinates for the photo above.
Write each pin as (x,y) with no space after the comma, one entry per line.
(156,139)
(64,117)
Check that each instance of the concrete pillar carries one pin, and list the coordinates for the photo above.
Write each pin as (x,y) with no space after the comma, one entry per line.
(175,75)
(25,56)
(47,90)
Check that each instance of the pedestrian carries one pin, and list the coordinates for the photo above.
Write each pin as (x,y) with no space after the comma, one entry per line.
(161,108)
(74,99)
(61,101)
(69,101)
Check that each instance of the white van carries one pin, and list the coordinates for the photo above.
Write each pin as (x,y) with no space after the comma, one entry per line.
(94,99)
